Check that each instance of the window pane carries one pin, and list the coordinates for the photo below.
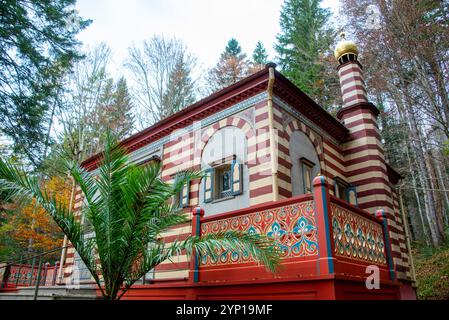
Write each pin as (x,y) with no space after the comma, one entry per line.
(342,192)
(226,181)
(307,178)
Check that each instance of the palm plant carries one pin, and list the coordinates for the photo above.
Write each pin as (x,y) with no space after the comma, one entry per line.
(128,207)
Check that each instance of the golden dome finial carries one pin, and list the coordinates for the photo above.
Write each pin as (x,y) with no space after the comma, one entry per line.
(345,47)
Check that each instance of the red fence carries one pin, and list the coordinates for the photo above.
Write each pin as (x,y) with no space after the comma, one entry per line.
(319,235)
(25,275)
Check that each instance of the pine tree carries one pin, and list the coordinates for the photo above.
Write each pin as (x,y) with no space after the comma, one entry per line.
(233,66)
(180,90)
(123,120)
(303,44)
(233,48)
(37,46)
(113,113)
(260,57)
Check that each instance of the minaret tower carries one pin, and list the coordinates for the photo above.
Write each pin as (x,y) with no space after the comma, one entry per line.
(365,164)
(350,72)
(364,156)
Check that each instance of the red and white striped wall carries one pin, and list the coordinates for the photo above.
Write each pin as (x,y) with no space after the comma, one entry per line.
(286,125)
(366,168)
(360,161)
(352,83)
(185,153)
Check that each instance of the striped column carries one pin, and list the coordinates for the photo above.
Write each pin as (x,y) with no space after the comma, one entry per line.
(352,83)
(70,256)
(259,157)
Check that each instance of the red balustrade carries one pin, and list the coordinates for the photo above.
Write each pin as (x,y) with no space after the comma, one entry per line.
(26,275)
(318,235)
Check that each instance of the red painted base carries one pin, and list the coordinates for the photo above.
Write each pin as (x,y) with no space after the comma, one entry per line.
(9,290)
(322,289)
(408,292)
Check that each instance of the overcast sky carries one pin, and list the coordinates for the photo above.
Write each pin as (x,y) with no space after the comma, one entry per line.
(204,25)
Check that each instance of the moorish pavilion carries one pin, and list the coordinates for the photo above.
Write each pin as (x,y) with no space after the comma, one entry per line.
(277,163)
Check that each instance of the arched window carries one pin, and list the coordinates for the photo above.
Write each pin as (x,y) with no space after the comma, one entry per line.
(305,163)
(225,185)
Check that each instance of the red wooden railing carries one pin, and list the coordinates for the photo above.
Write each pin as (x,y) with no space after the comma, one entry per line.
(319,235)
(26,275)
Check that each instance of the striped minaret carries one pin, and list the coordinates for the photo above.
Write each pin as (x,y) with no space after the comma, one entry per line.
(364,158)
(350,72)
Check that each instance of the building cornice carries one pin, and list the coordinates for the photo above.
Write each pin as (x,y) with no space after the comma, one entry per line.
(306,106)
(224,103)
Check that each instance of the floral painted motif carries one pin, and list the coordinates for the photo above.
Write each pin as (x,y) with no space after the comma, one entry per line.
(20,275)
(293,227)
(357,237)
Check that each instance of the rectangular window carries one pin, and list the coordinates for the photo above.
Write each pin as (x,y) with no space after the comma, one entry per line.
(340,188)
(182,198)
(345,191)
(307,175)
(81,272)
(223,180)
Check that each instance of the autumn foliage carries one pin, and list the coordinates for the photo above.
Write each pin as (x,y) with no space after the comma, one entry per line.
(32,227)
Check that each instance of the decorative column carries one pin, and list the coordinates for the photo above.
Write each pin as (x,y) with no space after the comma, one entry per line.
(197,214)
(324,225)
(380,214)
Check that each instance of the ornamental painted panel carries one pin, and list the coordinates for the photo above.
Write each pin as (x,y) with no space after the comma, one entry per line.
(293,227)
(357,237)
(20,275)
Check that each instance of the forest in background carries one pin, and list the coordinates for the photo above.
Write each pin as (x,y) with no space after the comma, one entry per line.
(57,98)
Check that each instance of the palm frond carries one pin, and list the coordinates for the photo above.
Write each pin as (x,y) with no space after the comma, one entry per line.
(19,186)
(128,208)
(261,248)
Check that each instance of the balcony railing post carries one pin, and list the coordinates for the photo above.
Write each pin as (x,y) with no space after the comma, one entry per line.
(197,214)
(18,274)
(380,214)
(324,225)
(55,273)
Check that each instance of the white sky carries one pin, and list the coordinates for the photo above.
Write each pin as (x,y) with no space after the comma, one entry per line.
(205,26)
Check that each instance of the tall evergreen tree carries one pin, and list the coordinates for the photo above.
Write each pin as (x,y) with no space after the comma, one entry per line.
(303,45)
(180,90)
(232,67)
(233,48)
(37,45)
(260,56)
(115,109)
(113,113)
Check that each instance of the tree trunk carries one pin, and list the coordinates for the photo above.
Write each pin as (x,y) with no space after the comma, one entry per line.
(429,201)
